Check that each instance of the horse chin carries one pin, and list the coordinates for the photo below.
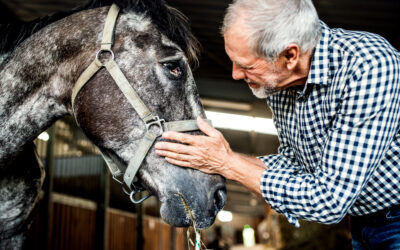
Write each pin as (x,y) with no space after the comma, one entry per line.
(176,213)
(187,196)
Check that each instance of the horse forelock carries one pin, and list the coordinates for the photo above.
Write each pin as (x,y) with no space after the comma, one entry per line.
(169,21)
(175,25)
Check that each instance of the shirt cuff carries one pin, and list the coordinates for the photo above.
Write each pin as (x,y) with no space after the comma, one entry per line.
(273,186)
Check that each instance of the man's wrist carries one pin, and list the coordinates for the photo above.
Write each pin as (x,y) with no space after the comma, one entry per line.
(228,167)
(245,170)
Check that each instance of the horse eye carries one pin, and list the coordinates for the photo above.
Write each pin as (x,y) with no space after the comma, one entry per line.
(173,68)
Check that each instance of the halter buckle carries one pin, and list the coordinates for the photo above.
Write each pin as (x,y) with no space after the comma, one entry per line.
(156,121)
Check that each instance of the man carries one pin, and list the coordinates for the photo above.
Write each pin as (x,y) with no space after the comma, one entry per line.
(336,104)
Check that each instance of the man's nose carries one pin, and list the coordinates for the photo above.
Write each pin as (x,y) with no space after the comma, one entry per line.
(237,72)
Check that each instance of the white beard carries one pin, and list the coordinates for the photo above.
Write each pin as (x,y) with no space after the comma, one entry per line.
(263,93)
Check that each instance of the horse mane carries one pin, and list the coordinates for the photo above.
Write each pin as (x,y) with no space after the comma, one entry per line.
(169,21)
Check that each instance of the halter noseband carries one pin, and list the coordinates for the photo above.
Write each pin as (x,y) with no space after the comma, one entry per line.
(116,169)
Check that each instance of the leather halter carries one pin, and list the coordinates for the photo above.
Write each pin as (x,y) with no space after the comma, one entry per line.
(117,169)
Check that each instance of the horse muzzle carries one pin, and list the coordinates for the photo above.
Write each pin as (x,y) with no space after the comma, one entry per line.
(194,206)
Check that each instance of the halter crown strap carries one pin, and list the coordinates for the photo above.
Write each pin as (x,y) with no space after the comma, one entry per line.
(134,99)
(108,32)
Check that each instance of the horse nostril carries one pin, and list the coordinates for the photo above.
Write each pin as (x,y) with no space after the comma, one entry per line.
(219,199)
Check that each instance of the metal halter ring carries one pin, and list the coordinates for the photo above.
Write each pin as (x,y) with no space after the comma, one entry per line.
(132,193)
(131,196)
(157,122)
(102,51)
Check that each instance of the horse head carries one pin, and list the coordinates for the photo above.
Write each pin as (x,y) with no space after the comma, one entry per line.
(152,47)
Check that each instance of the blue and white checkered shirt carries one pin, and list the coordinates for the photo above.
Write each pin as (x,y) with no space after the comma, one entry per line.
(340,137)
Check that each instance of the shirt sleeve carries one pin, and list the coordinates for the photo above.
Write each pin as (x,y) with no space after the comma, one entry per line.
(361,132)
(287,166)
(284,159)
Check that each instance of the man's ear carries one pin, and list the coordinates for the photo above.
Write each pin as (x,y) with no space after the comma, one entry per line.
(291,55)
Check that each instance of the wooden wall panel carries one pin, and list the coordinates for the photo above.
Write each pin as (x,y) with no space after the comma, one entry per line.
(72,227)
(157,234)
(121,230)
(180,239)
(165,237)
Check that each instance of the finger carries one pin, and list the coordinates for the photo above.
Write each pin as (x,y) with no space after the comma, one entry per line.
(179,163)
(185,164)
(174,147)
(173,155)
(180,137)
(206,128)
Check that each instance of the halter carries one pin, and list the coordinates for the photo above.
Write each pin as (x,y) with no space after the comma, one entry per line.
(117,169)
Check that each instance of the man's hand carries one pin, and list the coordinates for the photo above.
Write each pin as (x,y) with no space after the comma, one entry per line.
(211,154)
(208,153)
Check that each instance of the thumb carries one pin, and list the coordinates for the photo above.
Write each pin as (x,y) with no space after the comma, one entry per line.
(206,128)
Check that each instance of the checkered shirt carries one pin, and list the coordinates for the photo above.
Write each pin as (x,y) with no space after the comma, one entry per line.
(339,135)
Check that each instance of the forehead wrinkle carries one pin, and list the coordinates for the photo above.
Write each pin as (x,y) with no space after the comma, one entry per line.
(243,66)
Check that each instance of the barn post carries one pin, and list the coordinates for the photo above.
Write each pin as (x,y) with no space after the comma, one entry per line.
(46,207)
(101,213)
(173,238)
(139,227)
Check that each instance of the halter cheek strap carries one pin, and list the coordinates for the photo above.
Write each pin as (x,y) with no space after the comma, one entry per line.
(150,120)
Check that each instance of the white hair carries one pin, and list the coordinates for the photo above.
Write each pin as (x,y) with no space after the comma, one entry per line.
(273,24)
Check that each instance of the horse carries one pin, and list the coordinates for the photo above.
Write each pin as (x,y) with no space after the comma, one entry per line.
(40,65)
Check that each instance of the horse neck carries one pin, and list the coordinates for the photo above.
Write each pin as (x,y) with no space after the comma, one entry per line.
(37,79)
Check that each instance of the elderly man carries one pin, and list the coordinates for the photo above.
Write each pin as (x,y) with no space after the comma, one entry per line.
(335,96)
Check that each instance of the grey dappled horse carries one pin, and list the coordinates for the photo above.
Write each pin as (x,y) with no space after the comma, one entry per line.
(40,64)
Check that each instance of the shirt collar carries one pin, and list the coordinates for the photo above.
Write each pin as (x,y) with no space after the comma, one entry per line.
(319,69)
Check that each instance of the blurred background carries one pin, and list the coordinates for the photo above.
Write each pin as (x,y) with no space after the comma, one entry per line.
(83,208)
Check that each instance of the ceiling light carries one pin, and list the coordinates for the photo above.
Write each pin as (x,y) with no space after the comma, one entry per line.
(242,106)
(242,122)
